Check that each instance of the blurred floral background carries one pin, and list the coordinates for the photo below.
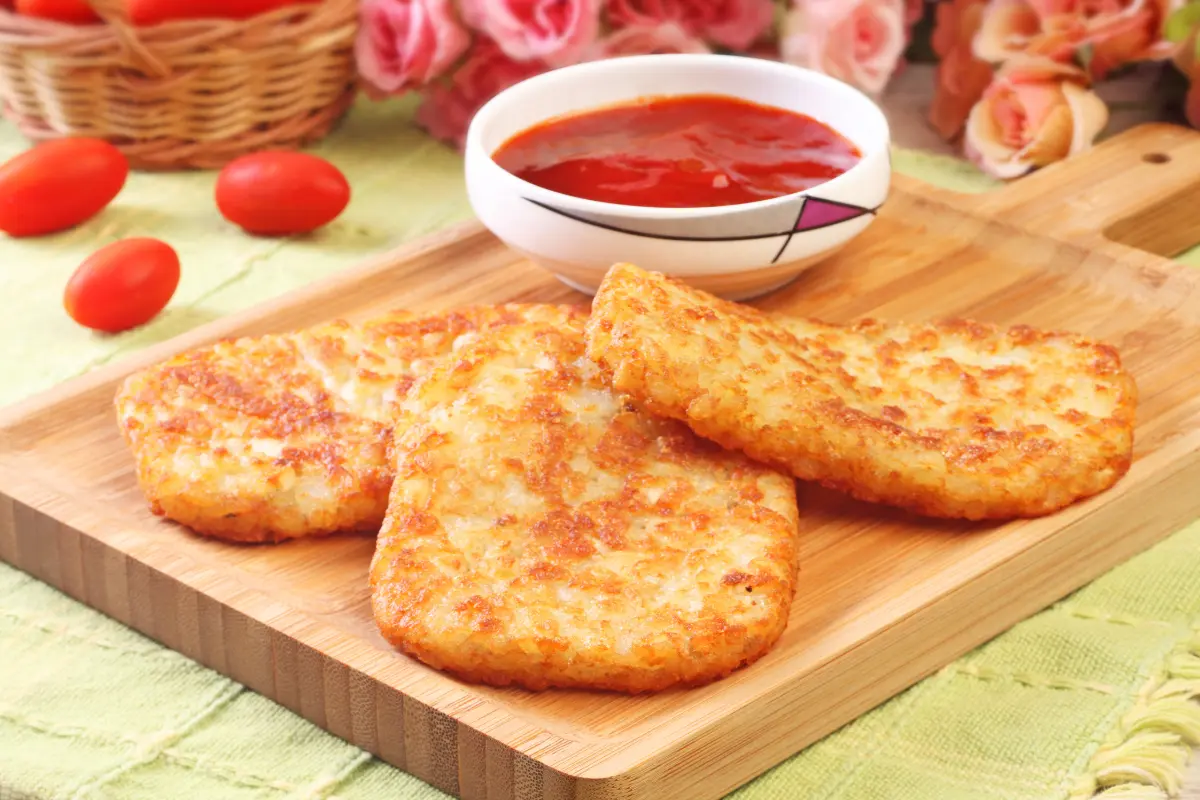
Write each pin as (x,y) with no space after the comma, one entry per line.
(1018,83)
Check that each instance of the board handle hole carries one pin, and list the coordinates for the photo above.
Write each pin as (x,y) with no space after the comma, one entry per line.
(1156,158)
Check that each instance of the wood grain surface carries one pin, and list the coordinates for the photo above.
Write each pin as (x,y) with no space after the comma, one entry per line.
(883,600)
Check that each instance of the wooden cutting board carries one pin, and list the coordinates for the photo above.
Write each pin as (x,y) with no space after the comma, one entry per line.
(884,599)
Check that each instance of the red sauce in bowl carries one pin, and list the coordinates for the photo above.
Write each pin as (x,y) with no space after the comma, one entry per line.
(689,151)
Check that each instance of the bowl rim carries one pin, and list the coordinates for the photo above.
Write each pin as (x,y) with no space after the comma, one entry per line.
(546,81)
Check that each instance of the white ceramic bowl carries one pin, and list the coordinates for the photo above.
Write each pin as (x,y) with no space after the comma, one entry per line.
(736,251)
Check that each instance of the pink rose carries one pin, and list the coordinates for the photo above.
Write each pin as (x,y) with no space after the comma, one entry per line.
(735,24)
(636,40)
(557,32)
(405,43)
(1116,32)
(1037,111)
(857,41)
(961,77)
(446,110)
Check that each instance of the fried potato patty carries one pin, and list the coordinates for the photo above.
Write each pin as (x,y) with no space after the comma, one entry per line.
(954,419)
(542,533)
(282,436)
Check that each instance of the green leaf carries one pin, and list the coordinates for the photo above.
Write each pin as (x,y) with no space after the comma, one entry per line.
(1179,26)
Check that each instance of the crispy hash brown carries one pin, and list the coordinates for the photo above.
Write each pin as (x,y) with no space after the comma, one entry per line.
(542,533)
(283,436)
(955,419)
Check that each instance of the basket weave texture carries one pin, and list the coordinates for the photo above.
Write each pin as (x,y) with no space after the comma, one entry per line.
(188,93)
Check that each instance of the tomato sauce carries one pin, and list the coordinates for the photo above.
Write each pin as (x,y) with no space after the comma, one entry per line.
(689,151)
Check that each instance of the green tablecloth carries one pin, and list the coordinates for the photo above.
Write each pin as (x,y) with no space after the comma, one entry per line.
(1095,692)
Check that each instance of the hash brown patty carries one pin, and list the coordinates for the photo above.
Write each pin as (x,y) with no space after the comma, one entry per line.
(954,419)
(283,436)
(542,533)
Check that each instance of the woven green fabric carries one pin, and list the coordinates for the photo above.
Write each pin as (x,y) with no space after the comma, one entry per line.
(1092,693)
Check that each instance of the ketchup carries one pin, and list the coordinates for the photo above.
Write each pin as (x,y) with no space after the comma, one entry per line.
(686,151)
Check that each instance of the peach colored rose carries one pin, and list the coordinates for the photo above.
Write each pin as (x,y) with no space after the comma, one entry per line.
(446,109)
(961,77)
(665,37)
(557,32)
(858,41)
(735,24)
(1130,34)
(1116,32)
(406,43)
(1007,28)
(1037,111)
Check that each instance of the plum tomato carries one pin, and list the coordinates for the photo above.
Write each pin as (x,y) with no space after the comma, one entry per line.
(75,12)
(281,193)
(122,285)
(154,12)
(58,185)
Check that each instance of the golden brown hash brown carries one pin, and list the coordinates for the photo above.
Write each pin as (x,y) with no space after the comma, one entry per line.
(283,436)
(542,533)
(954,419)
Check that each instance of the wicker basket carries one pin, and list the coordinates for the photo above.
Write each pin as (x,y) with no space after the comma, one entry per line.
(185,93)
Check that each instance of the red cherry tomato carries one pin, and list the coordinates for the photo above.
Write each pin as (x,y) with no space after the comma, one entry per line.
(152,12)
(281,193)
(59,184)
(76,12)
(122,285)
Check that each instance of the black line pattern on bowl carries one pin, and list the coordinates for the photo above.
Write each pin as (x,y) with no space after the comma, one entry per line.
(814,213)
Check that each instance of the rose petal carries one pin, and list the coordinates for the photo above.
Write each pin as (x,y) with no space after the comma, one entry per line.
(954,97)
(1039,101)
(735,24)
(984,133)
(1005,30)
(666,37)
(1118,32)
(1039,69)
(558,32)
(1052,141)
(446,109)
(1089,114)
(406,43)
(982,148)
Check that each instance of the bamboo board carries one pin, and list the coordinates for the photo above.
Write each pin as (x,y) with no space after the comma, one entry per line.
(884,599)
